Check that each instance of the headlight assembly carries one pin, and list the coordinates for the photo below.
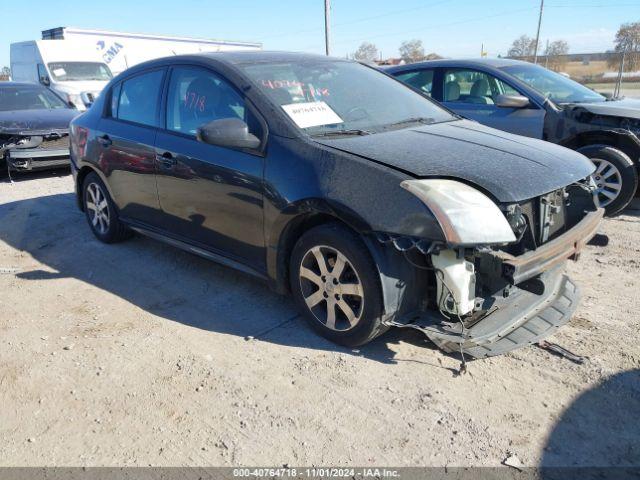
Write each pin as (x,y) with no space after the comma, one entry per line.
(467,216)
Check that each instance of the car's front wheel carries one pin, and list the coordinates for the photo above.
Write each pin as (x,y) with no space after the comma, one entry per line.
(616,177)
(101,212)
(335,283)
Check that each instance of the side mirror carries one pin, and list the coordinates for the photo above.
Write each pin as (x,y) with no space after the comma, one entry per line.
(44,80)
(228,132)
(512,101)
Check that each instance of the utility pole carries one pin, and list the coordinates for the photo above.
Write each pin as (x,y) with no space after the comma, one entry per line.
(546,55)
(618,87)
(327,9)
(535,55)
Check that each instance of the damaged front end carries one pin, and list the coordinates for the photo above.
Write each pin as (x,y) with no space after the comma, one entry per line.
(497,283)
(30,150)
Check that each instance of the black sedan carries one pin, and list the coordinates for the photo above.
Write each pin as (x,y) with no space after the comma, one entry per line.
(34,127)
(527,99)
(371,204)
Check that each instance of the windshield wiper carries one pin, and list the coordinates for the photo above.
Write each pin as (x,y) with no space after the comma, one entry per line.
(333,133)
(422,120)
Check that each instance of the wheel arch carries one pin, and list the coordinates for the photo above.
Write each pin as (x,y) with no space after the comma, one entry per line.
(400,282)
(625,141)
(290,227)
(83,171)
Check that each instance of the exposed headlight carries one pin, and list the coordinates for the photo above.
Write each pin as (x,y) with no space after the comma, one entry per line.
(467,216)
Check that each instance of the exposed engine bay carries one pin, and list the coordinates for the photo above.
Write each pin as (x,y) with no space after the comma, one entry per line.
(485,300)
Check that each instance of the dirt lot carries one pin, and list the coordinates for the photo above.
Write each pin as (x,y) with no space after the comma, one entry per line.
(137,354)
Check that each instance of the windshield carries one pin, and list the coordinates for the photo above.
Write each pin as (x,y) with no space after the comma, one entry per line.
(28,98)
(336,97)
(554,86)
(79,71)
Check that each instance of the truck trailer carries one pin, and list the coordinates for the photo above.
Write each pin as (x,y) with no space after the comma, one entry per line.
(77,63)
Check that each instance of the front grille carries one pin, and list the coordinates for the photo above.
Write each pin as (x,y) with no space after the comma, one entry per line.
(54,143)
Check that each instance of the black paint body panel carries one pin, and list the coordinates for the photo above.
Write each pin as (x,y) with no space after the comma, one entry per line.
(249,206)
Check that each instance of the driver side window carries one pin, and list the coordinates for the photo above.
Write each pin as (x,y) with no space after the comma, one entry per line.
(197,96)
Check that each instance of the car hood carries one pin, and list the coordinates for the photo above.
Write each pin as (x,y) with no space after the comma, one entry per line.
(25,122)
(510,167)
(625,107)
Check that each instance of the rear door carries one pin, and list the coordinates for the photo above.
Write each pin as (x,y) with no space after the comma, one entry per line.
(472,94)
(127,135)
(210,195)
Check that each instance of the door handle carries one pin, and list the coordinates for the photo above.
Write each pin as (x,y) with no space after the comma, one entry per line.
(166,159)
(104,140)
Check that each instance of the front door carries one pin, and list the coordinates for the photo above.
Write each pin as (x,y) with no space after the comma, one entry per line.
(210,195)
(472,94)
(127,136)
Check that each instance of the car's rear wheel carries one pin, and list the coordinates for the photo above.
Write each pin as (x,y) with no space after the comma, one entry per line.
(335,283)
(616,177)
(101,212)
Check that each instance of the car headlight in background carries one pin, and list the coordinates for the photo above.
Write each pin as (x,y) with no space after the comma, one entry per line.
(466,215)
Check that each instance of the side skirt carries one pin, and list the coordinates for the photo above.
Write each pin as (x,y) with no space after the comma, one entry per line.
(201,252)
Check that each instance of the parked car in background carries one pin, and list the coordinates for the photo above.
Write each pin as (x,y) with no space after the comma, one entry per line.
(527,99)
(34,127)
(373,214)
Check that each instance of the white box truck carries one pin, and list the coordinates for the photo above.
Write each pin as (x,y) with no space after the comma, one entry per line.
(120,50)
(77,63)
(71,69)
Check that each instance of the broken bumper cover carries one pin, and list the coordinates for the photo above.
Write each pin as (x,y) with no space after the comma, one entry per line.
(525,318)
(568,245)
(34,159)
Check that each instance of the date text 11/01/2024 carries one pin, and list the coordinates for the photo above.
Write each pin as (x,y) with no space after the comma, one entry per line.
(328,472)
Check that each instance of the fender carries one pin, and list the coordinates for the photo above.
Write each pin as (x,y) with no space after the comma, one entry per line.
(619,138)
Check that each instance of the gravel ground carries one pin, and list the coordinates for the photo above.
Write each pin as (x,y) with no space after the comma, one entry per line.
(140,354)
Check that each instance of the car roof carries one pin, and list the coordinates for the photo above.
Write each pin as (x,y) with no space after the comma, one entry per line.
(253,56)
(241,57)
(465,62)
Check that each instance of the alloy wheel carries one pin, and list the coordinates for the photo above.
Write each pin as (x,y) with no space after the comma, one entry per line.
(608,182)
(98,208)
(331,288)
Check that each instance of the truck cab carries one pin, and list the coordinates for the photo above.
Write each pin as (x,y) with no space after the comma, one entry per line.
(72,69)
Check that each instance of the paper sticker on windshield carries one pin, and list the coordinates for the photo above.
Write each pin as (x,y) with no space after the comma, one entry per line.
(58,72)
(311,114)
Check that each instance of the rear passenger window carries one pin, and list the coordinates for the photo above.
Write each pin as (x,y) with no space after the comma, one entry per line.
(420,80)
(139,98)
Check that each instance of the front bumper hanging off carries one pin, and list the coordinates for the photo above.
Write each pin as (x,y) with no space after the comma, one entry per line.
(525,320)
(524,317)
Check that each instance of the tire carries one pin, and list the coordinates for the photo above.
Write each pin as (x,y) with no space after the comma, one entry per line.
(624,174)
(317,287)
(103,221)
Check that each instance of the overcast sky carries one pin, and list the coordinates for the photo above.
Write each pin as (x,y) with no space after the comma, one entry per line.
(452,28)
